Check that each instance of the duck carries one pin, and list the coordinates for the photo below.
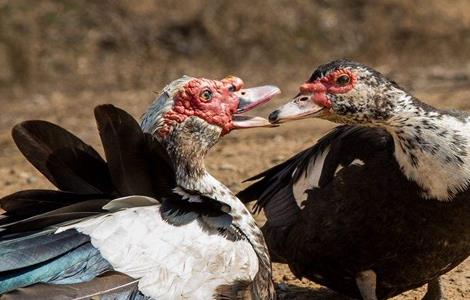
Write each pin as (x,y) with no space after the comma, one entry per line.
(380,204)
(149,222)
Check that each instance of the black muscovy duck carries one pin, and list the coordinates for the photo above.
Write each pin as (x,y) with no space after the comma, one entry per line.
(378,206)
(151,213)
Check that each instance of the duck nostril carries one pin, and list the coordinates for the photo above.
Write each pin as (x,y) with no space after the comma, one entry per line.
(273,117)
(305,98)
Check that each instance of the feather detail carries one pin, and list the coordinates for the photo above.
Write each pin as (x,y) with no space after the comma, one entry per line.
(66,161)
(111,285)
(28,203)
(130,201)
(126,151)
(34,249)
(75,211)
(185,207)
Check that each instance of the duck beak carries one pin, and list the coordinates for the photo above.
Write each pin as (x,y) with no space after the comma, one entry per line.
(248,100)
(301,107)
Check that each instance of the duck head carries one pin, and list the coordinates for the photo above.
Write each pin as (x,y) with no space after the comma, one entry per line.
(191,114)
(344,91)
(215,104)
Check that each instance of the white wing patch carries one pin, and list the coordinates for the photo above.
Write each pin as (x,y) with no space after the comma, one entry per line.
(171,262)
(357,162)
(130,201)
(310,178)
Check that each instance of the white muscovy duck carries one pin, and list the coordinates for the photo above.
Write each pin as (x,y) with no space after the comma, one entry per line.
(378,206)
(152,212)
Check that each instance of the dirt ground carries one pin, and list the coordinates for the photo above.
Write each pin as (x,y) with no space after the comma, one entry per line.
(236,157)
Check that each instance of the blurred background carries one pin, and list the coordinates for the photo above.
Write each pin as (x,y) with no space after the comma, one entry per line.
(58,59)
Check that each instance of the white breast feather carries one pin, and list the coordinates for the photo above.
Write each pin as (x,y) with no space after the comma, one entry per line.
(172,262)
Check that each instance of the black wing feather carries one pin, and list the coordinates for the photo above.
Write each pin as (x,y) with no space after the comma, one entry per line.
(67,213)
(66,161)
(180,211)
(135,160)
(28,203)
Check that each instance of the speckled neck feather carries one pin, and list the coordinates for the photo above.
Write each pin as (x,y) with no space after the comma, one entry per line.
(431,146)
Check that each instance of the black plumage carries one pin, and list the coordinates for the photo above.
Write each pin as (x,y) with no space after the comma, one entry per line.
(376,207)
(366,216)
(132,161)
(68,163)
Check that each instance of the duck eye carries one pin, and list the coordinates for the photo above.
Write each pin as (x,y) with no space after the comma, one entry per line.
(232,88)
(206,95)
(343,80)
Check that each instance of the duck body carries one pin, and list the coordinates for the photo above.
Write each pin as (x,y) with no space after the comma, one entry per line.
(149,222)
(166,246)
(378,206)
(195,264)
(371,217)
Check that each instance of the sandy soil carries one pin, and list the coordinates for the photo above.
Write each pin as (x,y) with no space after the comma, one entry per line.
(236,157)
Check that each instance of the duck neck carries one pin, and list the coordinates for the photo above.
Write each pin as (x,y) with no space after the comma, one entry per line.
(431,147)
(187,147)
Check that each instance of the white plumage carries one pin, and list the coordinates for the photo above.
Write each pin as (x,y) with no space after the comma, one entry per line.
(170,262)
(310,177)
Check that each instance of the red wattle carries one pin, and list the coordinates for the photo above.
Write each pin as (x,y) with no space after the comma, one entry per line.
(321,99)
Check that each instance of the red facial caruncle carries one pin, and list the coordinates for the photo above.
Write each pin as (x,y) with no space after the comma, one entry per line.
(337,82)
(211,100)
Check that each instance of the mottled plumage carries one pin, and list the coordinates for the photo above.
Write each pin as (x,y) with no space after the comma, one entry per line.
(377,207)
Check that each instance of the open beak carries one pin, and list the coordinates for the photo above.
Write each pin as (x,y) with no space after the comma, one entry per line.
(248,100)
(301,107)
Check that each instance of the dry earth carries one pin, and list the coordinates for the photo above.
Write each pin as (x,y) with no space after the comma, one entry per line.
(236,157)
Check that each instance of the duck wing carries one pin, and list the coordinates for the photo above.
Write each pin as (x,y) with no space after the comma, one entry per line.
(31,251)
(138,164)
(281,189)
(65,160)
(109,286)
